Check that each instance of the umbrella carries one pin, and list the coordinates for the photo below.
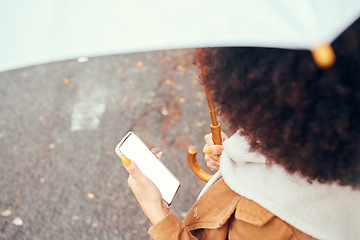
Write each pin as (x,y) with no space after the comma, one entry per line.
(42,31)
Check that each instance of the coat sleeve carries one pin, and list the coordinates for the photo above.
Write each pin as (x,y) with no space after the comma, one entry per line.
(170,227)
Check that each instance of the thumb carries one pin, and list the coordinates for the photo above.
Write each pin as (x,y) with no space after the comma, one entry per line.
(133,169)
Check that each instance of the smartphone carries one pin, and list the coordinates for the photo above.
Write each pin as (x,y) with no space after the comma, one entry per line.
(132,147)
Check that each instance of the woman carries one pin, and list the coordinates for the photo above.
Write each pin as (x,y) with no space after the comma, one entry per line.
(292,170)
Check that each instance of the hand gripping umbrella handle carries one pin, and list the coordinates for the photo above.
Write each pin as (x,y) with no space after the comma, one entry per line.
(191,155)
(217,139)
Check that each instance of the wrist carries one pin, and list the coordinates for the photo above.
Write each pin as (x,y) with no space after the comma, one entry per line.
(156,215)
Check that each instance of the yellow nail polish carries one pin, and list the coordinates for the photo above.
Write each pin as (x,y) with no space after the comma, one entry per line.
(125,160)
(207,150)
(153,150)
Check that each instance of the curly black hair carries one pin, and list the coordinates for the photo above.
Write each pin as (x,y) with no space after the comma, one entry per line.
(300,116)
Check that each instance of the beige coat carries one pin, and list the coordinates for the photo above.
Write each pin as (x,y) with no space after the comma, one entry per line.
(223,214)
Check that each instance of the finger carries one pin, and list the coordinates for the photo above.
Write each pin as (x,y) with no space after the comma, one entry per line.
(213,165)
(131,182)
(133,169)
(159,155)
(212,158)
(214,149)
(211,162)
(208,139)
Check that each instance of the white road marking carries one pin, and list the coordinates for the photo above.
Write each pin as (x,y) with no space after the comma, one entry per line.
(88,110)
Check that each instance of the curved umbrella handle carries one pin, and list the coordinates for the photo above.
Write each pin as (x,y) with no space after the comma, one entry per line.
(191,156)
(195,167)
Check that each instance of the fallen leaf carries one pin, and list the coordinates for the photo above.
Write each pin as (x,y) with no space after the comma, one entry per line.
(17,221)
(164,111)
(6,213)
(169,82)
(66,81)
(90,195)
(139,64)
(181,68)
(182,100)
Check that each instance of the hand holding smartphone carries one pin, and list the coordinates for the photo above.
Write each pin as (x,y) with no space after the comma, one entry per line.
(135,149)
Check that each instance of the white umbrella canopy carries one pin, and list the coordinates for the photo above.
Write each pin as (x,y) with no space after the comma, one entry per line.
(41,31)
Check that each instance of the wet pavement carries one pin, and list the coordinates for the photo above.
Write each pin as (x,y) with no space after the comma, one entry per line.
(60,122)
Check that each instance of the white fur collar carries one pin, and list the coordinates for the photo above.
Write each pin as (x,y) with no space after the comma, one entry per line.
(321,210)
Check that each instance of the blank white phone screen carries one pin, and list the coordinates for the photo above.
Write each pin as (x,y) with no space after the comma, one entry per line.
(133,148)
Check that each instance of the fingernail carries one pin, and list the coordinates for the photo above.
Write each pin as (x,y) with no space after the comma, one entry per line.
(153,150)
(207,150)
(125,160)
(160,154)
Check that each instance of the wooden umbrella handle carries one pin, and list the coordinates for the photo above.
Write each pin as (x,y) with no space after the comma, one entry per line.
(195,167)
(215,128)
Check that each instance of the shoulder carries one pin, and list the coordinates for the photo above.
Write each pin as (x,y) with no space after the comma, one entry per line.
(220,207)
(252,221)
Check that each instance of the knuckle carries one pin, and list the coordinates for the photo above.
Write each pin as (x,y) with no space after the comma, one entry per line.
(132,169)
(207,136)
(218,149)
(129,182)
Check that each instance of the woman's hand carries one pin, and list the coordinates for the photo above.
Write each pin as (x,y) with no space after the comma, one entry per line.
(146,192)
(213,152)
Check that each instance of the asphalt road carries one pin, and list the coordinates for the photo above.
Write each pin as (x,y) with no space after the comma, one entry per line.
(59,124)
